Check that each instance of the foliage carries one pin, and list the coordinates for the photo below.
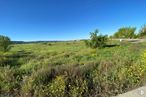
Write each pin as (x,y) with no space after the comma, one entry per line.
(142,32)
(125,32)
(4,43)
(9,81)
(96,40)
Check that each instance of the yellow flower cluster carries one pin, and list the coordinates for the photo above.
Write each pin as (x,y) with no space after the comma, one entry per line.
(137,71)
(58,85)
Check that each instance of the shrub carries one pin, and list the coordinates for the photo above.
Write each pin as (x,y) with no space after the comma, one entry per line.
(57,87)
(142,32)
(4,43)
(8,81)
(96,40)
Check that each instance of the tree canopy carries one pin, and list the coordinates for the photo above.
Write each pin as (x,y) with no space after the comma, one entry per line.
(125,32)
(142,32)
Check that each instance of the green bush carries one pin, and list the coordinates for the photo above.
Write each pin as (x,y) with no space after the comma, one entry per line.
(96,40)
(4,43)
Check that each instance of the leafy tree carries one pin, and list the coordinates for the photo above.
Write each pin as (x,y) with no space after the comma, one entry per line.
(142,31)
(96,40)
(125,32)
(4,43)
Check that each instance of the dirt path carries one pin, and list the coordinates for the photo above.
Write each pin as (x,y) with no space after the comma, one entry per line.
(131,40)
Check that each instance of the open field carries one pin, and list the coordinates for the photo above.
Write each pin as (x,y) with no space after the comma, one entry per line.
(70,69)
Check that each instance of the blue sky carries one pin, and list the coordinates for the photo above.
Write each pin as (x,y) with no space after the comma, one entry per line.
(29,20)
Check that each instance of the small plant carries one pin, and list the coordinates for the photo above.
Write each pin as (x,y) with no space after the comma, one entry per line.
(96,40)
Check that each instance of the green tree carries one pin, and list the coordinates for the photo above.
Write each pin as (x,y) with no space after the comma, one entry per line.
(96,40)
(4,43)
(125,32)
(142,32)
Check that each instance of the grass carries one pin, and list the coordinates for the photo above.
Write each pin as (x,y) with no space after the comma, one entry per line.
(70,69)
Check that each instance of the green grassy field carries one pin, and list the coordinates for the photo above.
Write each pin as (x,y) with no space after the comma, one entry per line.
(70,69)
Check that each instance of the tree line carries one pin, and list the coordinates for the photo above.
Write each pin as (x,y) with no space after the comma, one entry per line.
(130,32)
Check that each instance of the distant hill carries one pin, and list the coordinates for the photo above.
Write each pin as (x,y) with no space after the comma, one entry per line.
(27,42)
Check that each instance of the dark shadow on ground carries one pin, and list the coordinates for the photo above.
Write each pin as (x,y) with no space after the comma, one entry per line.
(13,59)
(111,45)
